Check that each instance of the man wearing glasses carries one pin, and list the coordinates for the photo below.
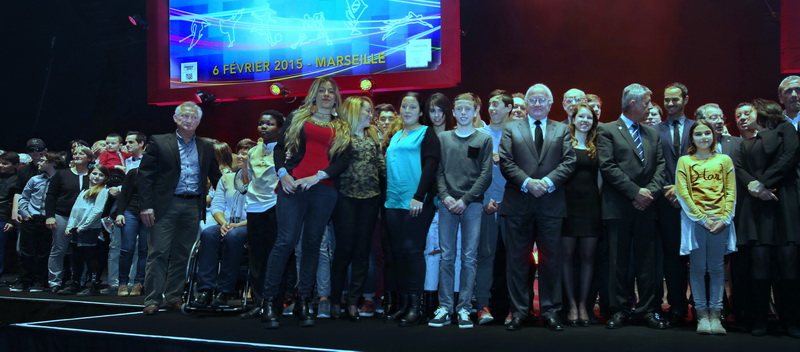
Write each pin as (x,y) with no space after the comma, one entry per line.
(536,158)
(572,98)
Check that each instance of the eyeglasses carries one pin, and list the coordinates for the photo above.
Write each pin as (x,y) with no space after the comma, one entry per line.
(35,149)
(188,116)
(574,100)
(542,101)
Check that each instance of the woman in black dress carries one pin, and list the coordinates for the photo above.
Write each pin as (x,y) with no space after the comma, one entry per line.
(769,226)
(582,225)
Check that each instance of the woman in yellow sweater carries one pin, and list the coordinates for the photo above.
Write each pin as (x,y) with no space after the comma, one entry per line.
(706,188)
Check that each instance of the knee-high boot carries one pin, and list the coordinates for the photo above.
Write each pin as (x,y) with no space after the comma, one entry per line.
(761,298)
(790,312)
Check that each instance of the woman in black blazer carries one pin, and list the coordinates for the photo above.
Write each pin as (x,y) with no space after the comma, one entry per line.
(767,168)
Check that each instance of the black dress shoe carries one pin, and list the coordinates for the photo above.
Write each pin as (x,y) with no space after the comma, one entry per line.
(515,324)
(220,300)
(554,324)
(585,323)
(652,321)
(617,321)
(250,314)
(676,319)
(203,298)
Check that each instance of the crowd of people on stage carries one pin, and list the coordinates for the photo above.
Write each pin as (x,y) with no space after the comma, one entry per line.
(426,213)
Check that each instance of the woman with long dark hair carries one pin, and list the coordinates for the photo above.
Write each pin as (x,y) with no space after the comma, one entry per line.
(411,162)
(311,151)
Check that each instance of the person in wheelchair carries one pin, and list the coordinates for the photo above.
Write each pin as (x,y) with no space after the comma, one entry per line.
(222,245)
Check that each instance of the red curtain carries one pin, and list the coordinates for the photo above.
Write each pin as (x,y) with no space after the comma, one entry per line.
(790,36)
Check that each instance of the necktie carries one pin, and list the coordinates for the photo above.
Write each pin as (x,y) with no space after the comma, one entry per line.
(637,140)
(676,137)
(538,139)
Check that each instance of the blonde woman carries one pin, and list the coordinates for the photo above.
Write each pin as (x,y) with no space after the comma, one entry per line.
(316,141)
(357,207)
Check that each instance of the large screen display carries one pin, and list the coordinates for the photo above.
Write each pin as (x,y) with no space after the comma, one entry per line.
(215,42)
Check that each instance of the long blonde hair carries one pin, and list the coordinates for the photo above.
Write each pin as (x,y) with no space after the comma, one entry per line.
(304,113)
(351,113)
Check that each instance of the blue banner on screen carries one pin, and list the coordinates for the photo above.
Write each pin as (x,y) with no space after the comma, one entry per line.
(216,42)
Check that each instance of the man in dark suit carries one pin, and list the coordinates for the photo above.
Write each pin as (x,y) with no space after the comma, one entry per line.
(632,165)
(674,133)
(172,190)
(536,158)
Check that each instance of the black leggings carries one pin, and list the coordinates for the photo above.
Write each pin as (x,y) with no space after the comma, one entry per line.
(407,236)
(87,255)
(587,249)
(761,257)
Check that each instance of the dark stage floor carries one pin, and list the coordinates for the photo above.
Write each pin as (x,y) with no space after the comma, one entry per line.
(92,322)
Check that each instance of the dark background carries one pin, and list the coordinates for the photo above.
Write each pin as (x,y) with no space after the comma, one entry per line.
(91,79)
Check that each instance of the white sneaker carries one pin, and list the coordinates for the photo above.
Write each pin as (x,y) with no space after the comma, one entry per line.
(464,322)
(440,318)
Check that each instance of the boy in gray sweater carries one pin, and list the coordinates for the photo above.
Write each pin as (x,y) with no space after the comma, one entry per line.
(465,172)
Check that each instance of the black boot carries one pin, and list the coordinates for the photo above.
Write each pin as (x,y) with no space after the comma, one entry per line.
(415,315)
(389,302)
(761,298)
(791,308)
(401,311)
(269,317)
(250,314)
(431,300)
(301,311)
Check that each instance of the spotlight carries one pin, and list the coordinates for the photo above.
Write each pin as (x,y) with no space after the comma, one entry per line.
(367,84)
(205,97)
(138,21)
(279,89)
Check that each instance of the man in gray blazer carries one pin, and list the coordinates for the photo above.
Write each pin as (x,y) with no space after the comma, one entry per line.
(536,158)
(172,197)
(632,165)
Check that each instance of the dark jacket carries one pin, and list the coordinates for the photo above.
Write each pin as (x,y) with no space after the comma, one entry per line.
(160,170)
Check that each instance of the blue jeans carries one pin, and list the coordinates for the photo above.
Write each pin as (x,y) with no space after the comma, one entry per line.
(470,222)
(491,226)
(55,263)
(709,256)
(133,233)
(303,213)
(213,248)
(326,247)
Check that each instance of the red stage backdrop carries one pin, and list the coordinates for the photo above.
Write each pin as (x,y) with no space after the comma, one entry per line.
(790,36)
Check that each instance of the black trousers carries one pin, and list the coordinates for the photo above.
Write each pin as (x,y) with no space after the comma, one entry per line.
(407,236)
(633,235)
(35,240)
(353,222)
(262,229)
(521,232)
(673,267)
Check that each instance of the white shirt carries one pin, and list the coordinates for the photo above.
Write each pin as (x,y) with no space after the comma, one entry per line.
(132,163)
